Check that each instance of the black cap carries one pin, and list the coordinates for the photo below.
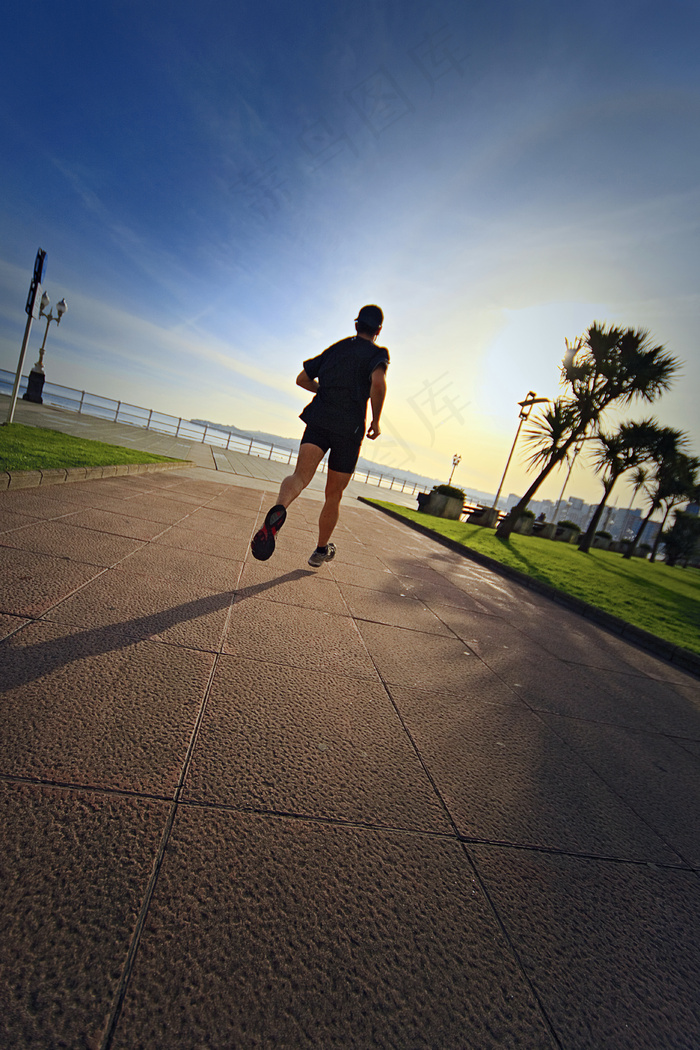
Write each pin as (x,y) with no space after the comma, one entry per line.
(372,316)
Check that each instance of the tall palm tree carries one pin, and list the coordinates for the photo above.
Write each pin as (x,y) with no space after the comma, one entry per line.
(673,482)
(625,449)
(686,486)
(606,366)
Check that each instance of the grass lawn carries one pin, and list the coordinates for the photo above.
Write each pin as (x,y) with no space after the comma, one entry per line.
(32,448)
(658,599)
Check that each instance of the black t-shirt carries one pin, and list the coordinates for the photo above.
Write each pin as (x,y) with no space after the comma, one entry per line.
(344,373)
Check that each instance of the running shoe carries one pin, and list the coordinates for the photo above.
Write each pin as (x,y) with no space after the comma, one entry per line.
(263,543)
(322,554)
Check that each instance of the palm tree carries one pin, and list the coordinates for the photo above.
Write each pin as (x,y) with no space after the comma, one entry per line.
(606,366)
(686,486)
(683,538)
(625,449)
(673,482)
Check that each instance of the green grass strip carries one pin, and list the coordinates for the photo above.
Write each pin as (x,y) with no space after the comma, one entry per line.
(34,448)
(664,601)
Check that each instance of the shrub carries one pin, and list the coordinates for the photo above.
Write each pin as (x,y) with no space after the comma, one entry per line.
(570,525)
(603,535)
(449,490)
(527,513)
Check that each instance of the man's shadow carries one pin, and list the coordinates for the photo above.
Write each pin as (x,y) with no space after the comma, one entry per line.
(19,666)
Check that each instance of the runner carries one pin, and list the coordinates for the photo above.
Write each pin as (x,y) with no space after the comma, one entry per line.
(343,378)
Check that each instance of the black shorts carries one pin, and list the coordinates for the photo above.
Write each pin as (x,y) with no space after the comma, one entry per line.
(345,449)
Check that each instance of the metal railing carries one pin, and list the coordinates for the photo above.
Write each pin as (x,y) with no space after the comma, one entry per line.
(85,403)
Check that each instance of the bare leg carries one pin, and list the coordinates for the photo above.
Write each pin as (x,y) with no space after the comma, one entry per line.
(308,460)
(335,486)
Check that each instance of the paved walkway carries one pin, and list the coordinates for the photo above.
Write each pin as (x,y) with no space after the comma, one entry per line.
(397,802)
(248,470)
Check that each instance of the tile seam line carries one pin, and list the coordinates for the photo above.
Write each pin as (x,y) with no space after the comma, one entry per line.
(75,786)
(520,965)
(623,727)
(278,814)
(129,962)
(598,775)
(341,822)
(554,851)
(135,943)
(591,768)
(459,837)
(508,941)
(103,570)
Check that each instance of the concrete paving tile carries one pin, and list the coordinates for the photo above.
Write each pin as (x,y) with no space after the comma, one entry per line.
(117,524)
(405,563)
(234,497)
(351,553)
(191,566)
(568,636)
(385,941)
(638,660)
(11,520)
(155,508)
(437,591)
(375,579)
(414,659)
(93,708)
(304,742)
(41,505)
(189,497)
(612,949)
(111,504)
(31,583)
(234,546)
(572,639)
(140,607)
(186,486)
(654,774)
(221,524)
(74,868)
(288,579)
(497,595)
(298,636)
(507,777)
(236,500)
(463,600)
(92,493)
(491,637)
(394,609)
(63,540)
(298,541)
(600,695)
(9,624)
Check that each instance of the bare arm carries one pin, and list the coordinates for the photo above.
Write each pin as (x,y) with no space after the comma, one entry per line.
(307,384)
(377,393)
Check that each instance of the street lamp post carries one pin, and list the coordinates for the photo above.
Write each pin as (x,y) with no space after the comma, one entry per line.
(525,410)
(456,460)
(30,308)
(37,378)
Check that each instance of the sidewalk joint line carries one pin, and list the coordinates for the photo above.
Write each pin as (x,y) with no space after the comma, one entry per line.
(122,988)
(95,789)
